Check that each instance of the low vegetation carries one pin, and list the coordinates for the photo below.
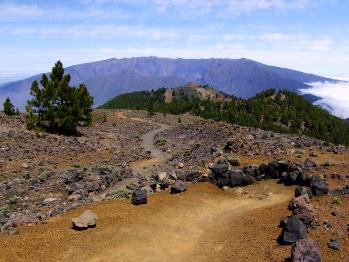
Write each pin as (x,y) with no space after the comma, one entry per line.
(279,111)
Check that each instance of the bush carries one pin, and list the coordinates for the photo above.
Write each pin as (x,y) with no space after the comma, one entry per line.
(160,142)
(13,200)
(122,193)
(8,108)
(76,165)
(26,175)
(337,201)
(299,153)
(57,107)
(44,175)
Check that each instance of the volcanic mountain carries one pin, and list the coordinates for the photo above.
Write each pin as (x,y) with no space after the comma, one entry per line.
(105,79)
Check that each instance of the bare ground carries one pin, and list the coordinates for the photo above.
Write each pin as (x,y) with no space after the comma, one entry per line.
(192,226)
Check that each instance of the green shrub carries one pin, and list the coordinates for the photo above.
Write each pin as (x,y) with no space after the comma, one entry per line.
(160,142)
(108,168)
(26,175)
(12,200)
(337,201)
(76,165)
(44,175)
(122,193)
(299,153)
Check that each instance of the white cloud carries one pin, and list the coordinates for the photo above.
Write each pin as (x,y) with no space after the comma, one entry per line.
(334,96)
(16,12)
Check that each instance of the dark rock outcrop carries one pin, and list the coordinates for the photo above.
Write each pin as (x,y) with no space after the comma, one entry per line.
(305,251)
(139,197)
(293,231)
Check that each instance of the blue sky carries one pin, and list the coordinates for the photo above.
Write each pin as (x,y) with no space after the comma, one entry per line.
(308,35)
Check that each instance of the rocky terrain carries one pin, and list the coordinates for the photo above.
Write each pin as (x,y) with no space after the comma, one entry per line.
(237,194)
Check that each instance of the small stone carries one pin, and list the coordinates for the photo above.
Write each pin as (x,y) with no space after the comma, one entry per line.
(225,188)
(49,200)
(178,187)
(180,165)
(327,224)
(13,231)
(334,244)
(162,176)
(173,176)
(86,220)
(73,198)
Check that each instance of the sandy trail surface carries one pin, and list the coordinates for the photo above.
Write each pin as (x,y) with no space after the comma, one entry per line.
(197,225)
(157,156)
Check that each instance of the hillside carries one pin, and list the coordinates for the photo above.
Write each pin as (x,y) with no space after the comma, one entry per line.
(280,111)
(108,78)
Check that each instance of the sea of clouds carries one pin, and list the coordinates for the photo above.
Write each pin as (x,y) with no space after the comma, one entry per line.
(333,96)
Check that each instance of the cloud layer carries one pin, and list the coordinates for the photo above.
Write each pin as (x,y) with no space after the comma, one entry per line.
(334,97)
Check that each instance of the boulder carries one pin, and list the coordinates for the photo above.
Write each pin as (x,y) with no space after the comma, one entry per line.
(303,190)
(139,197)
(219,169)
(293,231)
(249,170)
(319,188)
(283,166)
(224,180)
(272,171)
(305,251)
(178,187)
(339,192)
(238,178)
(301,203)
(309,163)
(87,220)
(193,177)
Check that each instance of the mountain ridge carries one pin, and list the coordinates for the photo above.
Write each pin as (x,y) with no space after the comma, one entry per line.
(275,110)
(108,78)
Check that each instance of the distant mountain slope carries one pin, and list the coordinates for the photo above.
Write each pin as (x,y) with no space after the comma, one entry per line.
(105,79)
(280,111)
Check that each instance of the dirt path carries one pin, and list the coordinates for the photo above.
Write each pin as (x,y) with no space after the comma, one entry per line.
(157,157)
(138,167)
(192,226)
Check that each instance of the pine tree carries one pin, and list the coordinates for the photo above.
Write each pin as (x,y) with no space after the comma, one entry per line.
(57,107)
(8,107)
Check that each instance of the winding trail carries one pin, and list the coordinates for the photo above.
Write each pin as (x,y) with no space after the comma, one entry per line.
(157,156)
